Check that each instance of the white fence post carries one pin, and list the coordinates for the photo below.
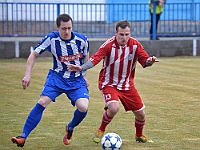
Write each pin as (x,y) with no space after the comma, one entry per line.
(194,47)
(17,49)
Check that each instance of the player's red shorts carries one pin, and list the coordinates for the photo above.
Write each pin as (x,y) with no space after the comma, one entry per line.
(130,98)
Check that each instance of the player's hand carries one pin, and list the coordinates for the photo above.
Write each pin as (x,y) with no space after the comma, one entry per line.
(76,68)
(26,81)
(152,60)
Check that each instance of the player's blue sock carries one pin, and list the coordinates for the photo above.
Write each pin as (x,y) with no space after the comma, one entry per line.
(32,120)
(78,117)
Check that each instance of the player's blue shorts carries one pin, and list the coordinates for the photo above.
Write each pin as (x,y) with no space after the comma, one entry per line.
(74,88)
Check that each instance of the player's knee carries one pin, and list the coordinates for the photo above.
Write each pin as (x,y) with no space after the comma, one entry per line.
(113,107)
(140,115)
(44,101)
(83,108)
(82,105)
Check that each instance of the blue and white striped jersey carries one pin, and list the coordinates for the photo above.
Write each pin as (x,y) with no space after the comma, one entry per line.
(65,52)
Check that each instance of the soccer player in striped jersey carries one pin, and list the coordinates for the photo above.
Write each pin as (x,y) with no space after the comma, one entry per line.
(66,47)
(116,79)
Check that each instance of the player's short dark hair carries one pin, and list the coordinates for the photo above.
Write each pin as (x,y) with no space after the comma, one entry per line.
(64,18)
(123,24)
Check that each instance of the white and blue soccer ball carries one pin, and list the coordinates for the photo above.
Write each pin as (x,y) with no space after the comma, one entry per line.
(111,141)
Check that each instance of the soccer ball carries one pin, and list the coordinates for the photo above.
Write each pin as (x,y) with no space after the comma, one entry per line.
(111,141)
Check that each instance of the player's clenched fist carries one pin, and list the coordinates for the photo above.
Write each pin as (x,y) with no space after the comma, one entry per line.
(26,81)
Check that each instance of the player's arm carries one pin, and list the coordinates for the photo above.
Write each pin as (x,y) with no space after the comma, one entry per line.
(39,49)
(83,67)
(143,57)
(29,66)
(94,60)
(84,72)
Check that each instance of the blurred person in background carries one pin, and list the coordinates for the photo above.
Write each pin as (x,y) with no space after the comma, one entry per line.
(159,10)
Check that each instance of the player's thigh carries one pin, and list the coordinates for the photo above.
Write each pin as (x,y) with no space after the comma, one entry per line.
(131,100)
(77,94)
(51,91)
(44,101)
(110,95)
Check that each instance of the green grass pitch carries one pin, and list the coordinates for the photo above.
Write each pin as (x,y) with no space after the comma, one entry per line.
(170,90)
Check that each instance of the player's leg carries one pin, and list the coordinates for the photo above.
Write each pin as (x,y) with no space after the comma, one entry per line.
(139,125)
(80,99)
(157,20)
(32,120)
(151,26)
(132,101)
(49,93)
(112,106)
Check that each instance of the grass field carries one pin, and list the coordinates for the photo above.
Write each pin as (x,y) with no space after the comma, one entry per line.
(170,90)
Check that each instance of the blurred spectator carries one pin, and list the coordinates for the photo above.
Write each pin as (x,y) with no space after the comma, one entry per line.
(159,10)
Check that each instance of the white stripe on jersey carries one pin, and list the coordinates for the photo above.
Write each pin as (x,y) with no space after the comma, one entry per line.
(131,67)
(125,68)
(107,75)
(134,50)
(117,64)
(43,45)
(64,53)
(53,51)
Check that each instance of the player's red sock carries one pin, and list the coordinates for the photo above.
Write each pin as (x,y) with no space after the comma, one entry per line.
(139,125)
(105,121)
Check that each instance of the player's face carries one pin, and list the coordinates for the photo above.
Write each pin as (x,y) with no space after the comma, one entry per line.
(122,36)
(65,30)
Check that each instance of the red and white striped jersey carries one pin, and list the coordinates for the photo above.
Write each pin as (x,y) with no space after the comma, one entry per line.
(119,62)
